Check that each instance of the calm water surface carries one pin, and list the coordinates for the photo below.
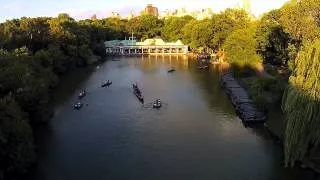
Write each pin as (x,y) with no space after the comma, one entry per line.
(195,135)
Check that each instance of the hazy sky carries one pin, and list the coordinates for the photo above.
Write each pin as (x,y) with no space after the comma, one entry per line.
(85,8)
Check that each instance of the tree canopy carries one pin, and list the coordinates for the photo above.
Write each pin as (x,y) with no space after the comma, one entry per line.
(145,26)
(172,28)
(301,103)
(273,41)
(240,47)
(36,52)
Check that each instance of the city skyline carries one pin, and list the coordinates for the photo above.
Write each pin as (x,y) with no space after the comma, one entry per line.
(82,9)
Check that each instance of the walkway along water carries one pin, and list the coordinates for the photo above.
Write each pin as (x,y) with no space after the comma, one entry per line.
(241,101)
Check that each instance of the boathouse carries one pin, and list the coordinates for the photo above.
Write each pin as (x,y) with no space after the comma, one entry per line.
(148,46)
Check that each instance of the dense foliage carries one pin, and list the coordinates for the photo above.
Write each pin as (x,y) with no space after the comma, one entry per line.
(145,26)
(36,52)
(273,41)
(240,47)
(172,29)
(301,103)
(16,141)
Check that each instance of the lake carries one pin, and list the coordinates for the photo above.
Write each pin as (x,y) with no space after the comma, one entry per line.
(195,135)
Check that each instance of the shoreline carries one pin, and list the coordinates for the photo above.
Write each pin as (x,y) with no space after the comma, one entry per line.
(275,125)
(244,106)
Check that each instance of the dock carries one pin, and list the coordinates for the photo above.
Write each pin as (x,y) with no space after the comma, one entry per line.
(241,101)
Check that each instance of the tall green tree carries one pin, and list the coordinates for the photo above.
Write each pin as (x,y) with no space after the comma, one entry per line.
(301,104)
(172,28)
(187,32)
(301,19)
(198,34)
(273,41)
(240,47)
(226,22)
(145,26)
(116,28)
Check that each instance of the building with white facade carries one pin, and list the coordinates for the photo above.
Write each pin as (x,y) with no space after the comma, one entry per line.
(149,46)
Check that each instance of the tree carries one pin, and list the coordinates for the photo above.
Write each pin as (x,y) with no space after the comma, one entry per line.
(240,47)
(202,34)
(3,37)
(273,41)
(172,29)
(301,104)
(36,31)
(225,23)
(34,52)
(198,34)
(145,26)
(16,139)
(61,30)
(116,28)
(187,32)
(301,19)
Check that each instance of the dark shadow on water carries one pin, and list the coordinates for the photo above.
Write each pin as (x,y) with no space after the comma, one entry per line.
(194,135)
(209,82)
(71,82)
(259,130)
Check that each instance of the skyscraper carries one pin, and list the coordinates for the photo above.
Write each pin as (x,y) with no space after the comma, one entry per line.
(94,17)
(151,10)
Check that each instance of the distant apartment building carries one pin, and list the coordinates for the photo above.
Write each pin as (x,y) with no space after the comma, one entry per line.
(199,14)
(93,17)
(151,10)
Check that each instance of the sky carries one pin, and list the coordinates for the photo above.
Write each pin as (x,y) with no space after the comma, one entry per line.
(80,9)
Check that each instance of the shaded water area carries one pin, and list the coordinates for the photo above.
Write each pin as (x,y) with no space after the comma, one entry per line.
(195,135)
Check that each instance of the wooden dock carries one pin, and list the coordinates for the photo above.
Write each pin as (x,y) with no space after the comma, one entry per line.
(244,106)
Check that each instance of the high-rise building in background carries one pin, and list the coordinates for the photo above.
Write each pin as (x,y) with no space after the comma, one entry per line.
(94,17)
(197,14)
(151,10)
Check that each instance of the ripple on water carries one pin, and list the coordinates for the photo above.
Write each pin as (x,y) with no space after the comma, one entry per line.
(194,135)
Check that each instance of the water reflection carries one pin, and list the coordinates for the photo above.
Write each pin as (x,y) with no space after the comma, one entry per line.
(196,135)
